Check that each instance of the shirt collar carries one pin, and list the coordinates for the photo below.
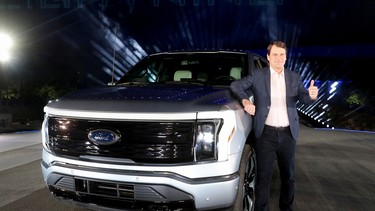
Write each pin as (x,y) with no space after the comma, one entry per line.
(272,71)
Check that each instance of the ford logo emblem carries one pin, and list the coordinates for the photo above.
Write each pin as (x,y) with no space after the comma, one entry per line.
(103,136)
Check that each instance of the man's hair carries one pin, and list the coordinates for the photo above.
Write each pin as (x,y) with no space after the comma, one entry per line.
(277,43)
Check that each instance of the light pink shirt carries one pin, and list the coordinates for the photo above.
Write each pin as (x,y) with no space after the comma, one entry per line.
(277,116)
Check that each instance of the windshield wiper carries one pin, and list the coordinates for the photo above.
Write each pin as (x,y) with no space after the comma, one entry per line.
(187,81)
(131,83)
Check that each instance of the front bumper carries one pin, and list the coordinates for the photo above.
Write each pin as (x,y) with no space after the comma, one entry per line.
(139,188)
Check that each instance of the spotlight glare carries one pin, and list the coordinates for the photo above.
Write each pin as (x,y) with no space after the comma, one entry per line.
(5,45)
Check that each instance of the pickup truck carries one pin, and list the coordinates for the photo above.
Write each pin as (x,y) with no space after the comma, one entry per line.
(168,135)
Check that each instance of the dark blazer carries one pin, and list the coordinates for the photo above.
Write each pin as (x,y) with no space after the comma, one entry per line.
(257,84)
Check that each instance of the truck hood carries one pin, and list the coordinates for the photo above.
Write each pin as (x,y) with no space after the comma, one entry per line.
(148,98)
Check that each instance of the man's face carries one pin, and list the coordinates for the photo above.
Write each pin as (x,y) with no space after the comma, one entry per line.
(277,58)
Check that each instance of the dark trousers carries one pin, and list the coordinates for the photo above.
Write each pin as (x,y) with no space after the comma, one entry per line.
(271,145)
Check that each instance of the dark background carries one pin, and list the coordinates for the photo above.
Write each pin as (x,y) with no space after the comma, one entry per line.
(62,46)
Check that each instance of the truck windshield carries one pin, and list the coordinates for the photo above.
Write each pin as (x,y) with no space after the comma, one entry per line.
(206,68)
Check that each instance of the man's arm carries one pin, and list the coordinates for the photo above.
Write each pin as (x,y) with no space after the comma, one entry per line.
(307,96)
(241,88)
(238,88)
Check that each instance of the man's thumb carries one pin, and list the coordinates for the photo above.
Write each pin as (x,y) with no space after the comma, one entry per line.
(312,83)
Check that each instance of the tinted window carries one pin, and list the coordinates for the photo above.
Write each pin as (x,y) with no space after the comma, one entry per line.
(211,68)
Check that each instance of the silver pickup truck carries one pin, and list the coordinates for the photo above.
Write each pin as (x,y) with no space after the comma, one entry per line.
(169,135)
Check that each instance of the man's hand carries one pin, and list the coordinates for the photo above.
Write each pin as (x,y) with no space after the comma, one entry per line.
(313,90)
(249,107)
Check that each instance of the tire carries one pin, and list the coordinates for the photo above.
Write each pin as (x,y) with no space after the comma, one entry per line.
(246,188)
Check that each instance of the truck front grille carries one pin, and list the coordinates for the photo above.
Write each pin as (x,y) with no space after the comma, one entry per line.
(105,189)
(119,196)
(147,142)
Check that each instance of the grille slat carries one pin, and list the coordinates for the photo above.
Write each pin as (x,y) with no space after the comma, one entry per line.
(149,142)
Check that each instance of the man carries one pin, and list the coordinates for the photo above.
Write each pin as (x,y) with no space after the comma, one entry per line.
(275,92)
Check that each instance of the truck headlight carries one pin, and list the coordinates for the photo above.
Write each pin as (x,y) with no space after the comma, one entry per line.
(206,138)
(45,136)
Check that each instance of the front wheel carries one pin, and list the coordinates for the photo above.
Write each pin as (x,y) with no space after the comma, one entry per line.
(246,188)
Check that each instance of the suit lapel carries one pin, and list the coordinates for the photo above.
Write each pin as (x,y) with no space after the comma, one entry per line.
(287,82)
(267,79)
